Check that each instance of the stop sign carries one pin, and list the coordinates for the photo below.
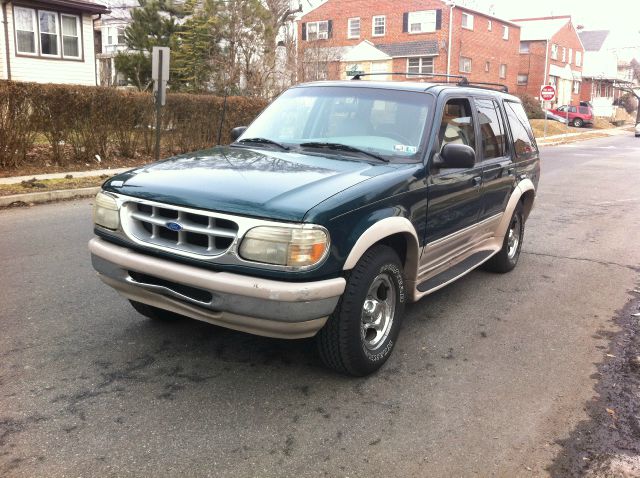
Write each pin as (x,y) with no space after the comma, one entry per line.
(547,92)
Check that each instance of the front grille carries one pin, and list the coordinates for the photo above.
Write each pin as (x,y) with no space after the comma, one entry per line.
(198,233)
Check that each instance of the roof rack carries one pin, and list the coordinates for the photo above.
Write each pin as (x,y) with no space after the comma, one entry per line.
(462,80)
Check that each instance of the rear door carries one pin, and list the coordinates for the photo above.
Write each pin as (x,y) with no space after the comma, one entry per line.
(495,157)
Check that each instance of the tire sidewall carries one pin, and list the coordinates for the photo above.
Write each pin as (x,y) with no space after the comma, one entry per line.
(513,261)
(385,262)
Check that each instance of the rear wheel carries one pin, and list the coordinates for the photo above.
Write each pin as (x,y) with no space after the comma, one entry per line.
(507,258)
(361,333)
(155,313)
(578,123)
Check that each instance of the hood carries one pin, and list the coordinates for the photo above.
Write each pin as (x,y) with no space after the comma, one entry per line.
(250,182)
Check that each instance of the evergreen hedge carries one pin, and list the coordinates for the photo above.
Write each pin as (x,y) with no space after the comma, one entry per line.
(78,122)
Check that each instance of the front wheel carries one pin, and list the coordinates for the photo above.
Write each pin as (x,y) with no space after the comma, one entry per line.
(361,333)
(507,258)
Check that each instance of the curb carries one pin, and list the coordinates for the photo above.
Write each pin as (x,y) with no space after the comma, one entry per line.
(47,196)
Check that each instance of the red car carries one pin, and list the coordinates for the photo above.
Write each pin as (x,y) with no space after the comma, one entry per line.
(578,115)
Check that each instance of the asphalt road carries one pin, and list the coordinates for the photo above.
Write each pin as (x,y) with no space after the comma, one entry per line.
(488,377)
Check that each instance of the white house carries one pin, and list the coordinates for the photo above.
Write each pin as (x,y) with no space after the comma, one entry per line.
(111,28)
(48,41)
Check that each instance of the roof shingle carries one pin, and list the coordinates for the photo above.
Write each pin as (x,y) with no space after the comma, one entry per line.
(412,48)
(593,40)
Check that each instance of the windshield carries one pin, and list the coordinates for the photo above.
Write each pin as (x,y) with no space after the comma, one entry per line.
(387,123)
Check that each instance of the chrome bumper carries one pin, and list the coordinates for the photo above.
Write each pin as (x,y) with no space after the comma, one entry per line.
(249,304)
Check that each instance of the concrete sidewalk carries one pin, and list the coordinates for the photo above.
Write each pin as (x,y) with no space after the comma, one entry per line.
(561,138)
(75,174)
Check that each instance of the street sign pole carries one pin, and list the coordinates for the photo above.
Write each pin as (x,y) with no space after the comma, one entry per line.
(159,105)
(160,76)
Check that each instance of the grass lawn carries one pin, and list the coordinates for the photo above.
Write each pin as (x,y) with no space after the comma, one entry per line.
(32,185)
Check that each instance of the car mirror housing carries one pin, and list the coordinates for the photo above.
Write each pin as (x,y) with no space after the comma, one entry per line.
(237,132)
(455,156)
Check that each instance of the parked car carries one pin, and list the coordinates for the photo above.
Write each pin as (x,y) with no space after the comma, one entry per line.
(554,117)
(578,115)
(638,130)
(339,204)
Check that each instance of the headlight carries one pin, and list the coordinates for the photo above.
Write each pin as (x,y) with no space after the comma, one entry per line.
(285,246)
(105,211)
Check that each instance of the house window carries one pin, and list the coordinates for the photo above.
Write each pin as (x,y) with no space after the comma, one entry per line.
(379,26)
(467,21)
(554,51)
(524,47)
(25,21)
(564,55)
(122,39)
(523,79)
(576,87)
(570,55)
(318,30)
(420,66)
(465,64)
(490,26)
(70,36)
(60,34)
(48,22)
(578,58)
(505,32)
(503,71)
(553,80)
(354,28)
(422,21)
(487,66)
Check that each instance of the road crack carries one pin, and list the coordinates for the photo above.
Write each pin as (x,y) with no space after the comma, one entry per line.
(585,259)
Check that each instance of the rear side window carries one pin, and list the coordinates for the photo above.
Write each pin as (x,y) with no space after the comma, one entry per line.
(523,139)
(491,128)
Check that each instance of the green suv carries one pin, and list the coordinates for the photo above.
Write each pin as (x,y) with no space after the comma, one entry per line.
(339,204)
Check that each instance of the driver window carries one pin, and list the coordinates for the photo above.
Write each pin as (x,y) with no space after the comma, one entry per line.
(457,124)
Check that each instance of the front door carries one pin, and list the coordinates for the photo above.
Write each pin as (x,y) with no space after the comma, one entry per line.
(454,194)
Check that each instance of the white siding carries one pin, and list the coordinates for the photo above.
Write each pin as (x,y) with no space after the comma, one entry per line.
(55,71)
(3,54)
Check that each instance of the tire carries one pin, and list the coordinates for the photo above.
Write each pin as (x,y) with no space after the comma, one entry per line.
(154,313)
(360,335)
(578,123)
(507,258)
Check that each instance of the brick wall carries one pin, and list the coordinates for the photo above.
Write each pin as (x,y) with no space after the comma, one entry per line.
(479,44)
(533,63)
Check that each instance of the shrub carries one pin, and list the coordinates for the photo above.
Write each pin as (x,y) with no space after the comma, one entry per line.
(82,121)
(628,102)
(531,106)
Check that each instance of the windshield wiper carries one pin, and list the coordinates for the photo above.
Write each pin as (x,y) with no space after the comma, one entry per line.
(343,147)
(264,141)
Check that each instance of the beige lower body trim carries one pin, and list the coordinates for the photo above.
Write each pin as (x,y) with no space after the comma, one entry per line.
(223,282)
(252,325)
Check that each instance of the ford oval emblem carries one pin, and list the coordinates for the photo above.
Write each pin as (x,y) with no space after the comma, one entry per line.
(174,226)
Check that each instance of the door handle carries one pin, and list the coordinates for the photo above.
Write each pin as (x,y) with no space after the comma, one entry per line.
(476,181)
(511,171)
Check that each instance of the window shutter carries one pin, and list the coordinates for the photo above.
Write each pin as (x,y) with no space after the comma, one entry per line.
(439,19)
(304,32)
(405,22)
(330,28)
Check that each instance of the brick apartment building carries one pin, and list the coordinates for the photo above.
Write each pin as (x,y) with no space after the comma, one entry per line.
(342,37)
(550,53)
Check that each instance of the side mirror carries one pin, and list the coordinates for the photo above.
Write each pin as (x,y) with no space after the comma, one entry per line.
(237,132)
(455,156)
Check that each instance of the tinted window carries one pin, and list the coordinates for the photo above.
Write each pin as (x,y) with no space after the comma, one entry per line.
(491,129)
(584,110)
(523,139)
(457,124)
(572,109)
